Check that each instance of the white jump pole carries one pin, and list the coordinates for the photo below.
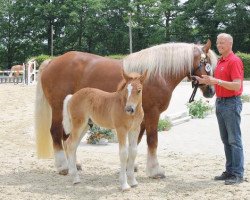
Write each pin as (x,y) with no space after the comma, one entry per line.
(30,81)
(23,73)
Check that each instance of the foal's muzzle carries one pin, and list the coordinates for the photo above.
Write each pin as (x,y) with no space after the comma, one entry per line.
(130,110)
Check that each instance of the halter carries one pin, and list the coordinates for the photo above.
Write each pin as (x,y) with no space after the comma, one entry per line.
(195,82)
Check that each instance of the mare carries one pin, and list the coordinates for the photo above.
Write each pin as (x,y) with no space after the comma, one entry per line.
(167,64)
(120,110)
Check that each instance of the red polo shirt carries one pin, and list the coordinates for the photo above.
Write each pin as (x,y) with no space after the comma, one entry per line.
(229,69)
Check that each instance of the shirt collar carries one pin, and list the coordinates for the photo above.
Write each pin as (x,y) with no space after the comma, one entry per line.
(227,58)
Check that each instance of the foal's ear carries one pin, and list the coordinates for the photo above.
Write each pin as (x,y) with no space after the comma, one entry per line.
(143,76)
(207,46)
(125,76)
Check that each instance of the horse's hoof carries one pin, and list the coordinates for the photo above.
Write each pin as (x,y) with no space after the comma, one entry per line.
(158,176)
(76,180)
(125,187)
(78,167)
(133,185)
(64,172)
(136,168)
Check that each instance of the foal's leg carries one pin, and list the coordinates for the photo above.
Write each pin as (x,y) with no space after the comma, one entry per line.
(57,135)
(132,152)
(123,153)
(71,145)
(153,168)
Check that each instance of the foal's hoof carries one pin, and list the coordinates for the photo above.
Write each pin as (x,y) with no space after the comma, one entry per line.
(78,167)
(64,172)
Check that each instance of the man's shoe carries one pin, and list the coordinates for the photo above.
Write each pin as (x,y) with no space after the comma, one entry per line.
(233,180)
(224,176)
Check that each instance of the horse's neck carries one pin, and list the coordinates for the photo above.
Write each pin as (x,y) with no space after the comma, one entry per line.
(173,80)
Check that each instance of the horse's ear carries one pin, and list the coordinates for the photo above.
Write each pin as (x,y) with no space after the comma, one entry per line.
(125,76)
(143,76)
(207,46)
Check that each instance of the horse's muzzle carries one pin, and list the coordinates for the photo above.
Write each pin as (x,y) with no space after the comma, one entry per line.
(209,92)
(130,110)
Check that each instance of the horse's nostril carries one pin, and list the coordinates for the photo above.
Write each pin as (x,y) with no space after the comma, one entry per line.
(130,109)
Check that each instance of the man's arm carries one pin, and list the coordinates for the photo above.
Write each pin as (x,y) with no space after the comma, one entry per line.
(209,80)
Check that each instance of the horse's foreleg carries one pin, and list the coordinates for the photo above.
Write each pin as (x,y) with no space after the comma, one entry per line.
(61,163)
(123,153)
(132,152)
(153,168)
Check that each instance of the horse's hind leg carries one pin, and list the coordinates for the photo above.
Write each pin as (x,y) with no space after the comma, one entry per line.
(132,152)
(57,135)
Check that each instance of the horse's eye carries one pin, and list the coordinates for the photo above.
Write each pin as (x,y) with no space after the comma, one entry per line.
(139,91)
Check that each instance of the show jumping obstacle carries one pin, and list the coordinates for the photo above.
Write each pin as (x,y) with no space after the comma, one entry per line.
(25,74)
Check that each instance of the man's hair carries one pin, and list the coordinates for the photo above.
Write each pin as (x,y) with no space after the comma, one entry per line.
(226,36)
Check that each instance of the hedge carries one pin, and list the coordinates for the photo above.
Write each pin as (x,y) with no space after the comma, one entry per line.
(40,58)
(246,60)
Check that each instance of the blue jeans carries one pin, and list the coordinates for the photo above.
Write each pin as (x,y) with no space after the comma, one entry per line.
(228,115)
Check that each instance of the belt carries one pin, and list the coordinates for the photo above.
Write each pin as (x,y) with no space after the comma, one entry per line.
(224,98)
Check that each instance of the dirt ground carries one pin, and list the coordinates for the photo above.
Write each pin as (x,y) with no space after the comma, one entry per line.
(191,154)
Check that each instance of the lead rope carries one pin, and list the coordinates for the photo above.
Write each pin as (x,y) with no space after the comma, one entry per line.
(196,85)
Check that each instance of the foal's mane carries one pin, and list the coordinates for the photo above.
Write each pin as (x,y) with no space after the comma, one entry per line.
(122,84)
(169,58)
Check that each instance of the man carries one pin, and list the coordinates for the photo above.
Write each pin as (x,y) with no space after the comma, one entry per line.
(228,79)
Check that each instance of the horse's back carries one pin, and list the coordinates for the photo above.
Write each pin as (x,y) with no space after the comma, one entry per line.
(94,104)
(74,70)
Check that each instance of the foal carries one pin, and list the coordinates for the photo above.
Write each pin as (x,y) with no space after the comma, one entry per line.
(120,110)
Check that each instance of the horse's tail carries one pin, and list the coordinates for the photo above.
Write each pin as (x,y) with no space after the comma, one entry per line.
(66,116)
(43,118)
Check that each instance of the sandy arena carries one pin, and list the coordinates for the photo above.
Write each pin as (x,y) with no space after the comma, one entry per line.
(191,154)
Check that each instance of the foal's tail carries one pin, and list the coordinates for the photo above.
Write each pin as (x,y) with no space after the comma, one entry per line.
(66,116)
(43,118)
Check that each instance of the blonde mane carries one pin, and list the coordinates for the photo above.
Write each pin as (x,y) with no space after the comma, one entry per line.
(213,59)
(170,58)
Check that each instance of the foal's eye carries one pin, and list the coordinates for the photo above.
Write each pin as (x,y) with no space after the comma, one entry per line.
(139,91)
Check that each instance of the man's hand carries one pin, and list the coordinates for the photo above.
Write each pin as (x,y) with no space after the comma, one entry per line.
(207,80)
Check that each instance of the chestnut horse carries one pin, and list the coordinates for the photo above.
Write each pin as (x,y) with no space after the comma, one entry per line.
(120,110)
(167,65)
(16,70)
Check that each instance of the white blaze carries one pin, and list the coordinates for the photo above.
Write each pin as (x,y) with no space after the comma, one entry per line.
(130,87)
